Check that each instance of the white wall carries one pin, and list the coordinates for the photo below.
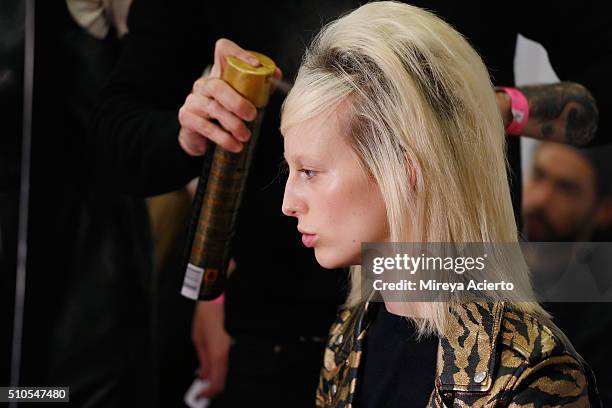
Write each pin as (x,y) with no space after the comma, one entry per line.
(531,66)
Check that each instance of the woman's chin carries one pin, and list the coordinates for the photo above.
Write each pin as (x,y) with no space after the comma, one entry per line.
(328,261)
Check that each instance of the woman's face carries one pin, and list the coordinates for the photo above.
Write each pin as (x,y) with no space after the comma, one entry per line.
(337,205)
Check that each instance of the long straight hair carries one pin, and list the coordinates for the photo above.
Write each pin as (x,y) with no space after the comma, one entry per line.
(421,115)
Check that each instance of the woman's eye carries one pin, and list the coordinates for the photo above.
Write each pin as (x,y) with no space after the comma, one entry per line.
(308,173)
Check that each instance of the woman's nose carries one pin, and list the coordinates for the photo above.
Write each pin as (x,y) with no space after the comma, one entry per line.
(289,211)
(288,208)
(291,205)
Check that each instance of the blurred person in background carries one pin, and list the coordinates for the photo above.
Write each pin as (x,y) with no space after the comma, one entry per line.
(567,197)
(88,290)
(567,194)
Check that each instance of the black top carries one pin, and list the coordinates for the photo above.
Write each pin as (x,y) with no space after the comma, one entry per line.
(397,370)
(278,287)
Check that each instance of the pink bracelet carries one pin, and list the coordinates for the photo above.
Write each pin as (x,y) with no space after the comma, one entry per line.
(218,300)
(519,108)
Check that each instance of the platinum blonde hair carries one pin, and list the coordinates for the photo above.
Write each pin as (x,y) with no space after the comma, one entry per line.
(421,115)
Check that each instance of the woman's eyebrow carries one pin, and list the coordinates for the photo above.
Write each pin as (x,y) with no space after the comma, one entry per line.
(288,158)
(301,158)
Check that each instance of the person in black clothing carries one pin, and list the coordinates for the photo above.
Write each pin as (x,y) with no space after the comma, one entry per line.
(279,303)
(87,296)
(278,294)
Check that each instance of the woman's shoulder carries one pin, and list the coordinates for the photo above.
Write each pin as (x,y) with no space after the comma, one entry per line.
(489,351)
(494,351)
(533,338)
(537,362)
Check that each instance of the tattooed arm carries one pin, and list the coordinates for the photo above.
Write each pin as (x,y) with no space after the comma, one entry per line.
(565,112)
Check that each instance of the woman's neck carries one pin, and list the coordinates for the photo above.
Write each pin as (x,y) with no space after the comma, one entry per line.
(406,309)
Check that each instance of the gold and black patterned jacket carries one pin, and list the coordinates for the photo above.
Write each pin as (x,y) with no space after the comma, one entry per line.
(490,356)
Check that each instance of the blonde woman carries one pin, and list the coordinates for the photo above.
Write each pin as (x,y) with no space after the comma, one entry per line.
(392,134)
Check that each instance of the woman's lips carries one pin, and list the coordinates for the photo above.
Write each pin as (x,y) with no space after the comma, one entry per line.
(309,239)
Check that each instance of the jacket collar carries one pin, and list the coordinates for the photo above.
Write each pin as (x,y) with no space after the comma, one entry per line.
(467,352)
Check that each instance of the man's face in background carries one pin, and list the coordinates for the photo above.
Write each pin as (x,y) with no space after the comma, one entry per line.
(560,195)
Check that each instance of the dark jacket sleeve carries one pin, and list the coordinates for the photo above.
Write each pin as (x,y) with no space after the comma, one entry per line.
(135,126)
(578,39)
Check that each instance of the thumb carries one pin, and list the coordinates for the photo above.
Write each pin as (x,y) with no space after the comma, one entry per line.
(278,74)
(226,48)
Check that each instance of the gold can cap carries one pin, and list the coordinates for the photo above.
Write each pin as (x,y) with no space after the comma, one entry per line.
(254,83)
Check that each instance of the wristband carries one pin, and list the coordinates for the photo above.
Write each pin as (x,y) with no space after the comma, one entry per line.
(519,108)
(218,300)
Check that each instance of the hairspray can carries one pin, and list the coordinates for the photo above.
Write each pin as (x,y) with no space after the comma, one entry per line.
(220,189)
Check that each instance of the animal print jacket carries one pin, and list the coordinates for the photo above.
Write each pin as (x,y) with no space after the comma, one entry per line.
(491,356)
